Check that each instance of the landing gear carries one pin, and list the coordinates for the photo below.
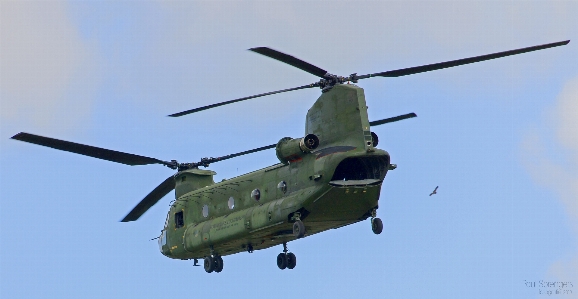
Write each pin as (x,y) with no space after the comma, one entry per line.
(298,226)
(291,260)
(218,263)
(298,229)
(286,260)
(282,261)
(376,224)
(209,264)
(213,262)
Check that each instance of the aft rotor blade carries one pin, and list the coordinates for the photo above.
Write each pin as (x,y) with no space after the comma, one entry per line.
(87,150)
(448,64)
(392,119)
(290,60)
(240,99)
(151,199)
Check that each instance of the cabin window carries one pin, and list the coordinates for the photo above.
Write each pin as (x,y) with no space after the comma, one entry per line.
(183,178)
(282,186)
(231,203)
(179,219)
(256,194)
(205,211)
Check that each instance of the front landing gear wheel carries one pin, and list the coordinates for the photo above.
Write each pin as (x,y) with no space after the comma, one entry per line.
(376,226)
(298,229)
(282,261)
(209,264)
(218,263)
(291,260)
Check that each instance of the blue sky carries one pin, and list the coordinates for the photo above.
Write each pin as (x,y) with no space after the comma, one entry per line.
(500,138)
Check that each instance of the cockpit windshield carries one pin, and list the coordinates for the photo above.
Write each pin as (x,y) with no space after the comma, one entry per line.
(163,236)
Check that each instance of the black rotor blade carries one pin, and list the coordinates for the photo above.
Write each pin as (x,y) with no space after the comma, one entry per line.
(290,60)
(392,119)
(87,150)
(448,64)
(240,99)
(395,73)
(242,153)
(152,198)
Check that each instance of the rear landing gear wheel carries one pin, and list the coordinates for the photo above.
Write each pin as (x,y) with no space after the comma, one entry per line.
(291,260)
(282,261)
(298,229)
(376,226)
(218,263)
(209,264)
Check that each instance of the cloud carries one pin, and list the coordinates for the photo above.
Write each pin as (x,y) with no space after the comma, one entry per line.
(48,70)
(566,114)
(559,172)
(365,37)
(48,73)
(354,28)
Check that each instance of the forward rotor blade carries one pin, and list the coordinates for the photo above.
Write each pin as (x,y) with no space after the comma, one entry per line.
(240,99)
(152,198)
(87,150)
(205,162)
(448,64)
(245,152)
(290,60)
(392,119)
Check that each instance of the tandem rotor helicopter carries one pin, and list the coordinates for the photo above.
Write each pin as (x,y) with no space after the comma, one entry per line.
(330,178)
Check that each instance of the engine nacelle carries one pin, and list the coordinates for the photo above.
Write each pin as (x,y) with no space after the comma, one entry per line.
(292,150)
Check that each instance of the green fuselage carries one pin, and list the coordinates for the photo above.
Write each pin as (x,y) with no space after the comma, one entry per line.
(337,184)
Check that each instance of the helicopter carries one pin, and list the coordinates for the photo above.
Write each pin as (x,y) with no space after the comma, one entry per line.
(330,178)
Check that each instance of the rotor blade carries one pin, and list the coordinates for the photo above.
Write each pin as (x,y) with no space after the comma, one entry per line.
(152,198)
(212,160)
(87,150)
(447,64)
(392,119)
(239,100)
(290,60)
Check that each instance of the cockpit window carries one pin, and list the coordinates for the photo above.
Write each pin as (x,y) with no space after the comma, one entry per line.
(179,220)
(167,221)
(162,240)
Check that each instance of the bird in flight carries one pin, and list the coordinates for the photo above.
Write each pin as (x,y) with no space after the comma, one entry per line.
(434,192)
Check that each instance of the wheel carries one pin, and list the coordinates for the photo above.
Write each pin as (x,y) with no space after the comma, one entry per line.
(209,264)
(291,260)
(282,261)
(298,229)
(218,263)
(376,226)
